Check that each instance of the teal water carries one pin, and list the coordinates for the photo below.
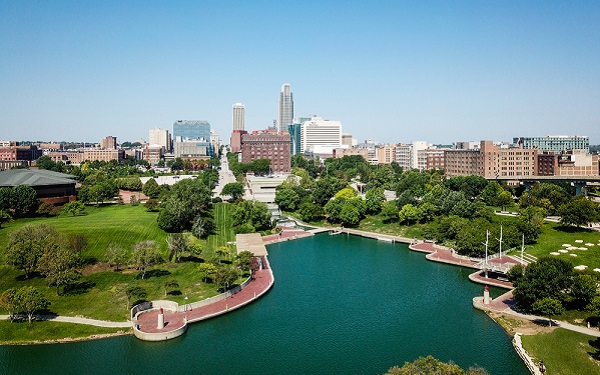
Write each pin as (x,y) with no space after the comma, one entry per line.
(340,305)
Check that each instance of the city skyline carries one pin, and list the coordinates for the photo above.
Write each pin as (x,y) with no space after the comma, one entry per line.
(392,72)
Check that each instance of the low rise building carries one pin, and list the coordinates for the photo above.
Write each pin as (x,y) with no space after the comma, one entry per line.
(275,147)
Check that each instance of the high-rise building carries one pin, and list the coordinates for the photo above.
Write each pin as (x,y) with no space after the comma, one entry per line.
(160,137)
(197,130)
(238,116)
(320,136)
(556,143)
(108,143)
(286,107)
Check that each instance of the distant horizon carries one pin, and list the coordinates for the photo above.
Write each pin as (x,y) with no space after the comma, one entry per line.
(438,71)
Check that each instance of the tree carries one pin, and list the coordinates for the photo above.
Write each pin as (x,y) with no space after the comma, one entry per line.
(77,243)
(235,189)
(530,221)
(431,366)
(287,199)
(249,213)
(6,198)
(584,289)
(578,211)
(224,277)
(346,193)
(549,307)
(594,306)
(491,192)
(547,277)
(145,254)
(170,284)
(203,226)
(389,212)
(207,271)
(5,217)
(23,200)
(27,244)
(116,255)
(195,249)
(349,215)
(31,300)
(60,265)
(409,213)
(244,260)
(136,292)
(310,211)
(74,208)
(222,252)
(374,200)
(151,189)
(177,244)
(9,302)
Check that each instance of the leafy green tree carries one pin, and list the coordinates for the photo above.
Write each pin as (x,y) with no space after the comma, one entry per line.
(579,211)
(77,242)
(254,214)
(389,211)
(116,255)
(31,300)
(224,277)
(145,254)
(374,199)
(61,266)
(74,208)
(134,293)
(177,244)
(170,284)
(23,200)
(346,193)
(547,277)
(244,260)
(222,252)
(530,221)
(151,189)
(409,213)
(130,183)
(594,306)
(260,167)
(6,198)
(287,199)
(504,199)
(333,209)
(548,306)
(490,193)
(5,217)
(584,289)
(9,302)
(431,366)
(27,244)
(427,211)
(349,215)
(235,189)
(325,189)
(151,205)
(310,211)
(207,271)
(187,199)
(203,226)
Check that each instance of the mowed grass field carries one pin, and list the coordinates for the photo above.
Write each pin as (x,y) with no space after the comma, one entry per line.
(100,293)
(565,352)
(554,235)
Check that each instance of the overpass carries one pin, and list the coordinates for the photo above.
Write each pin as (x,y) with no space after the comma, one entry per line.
(580,182)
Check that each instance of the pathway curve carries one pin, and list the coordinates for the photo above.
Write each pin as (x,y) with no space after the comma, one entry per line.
(78,320)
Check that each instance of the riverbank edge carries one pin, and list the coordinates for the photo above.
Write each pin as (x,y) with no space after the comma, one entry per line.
(67,340)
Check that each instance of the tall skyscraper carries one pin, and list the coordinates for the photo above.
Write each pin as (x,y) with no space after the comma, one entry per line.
(286,107)
(238,118)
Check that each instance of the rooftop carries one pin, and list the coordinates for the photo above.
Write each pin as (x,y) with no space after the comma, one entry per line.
(34,177)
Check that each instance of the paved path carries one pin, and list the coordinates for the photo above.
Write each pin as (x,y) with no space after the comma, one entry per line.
(286,234)
(505,304)
(77,320)
(263,279)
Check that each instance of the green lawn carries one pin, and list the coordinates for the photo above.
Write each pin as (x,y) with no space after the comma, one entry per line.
(24,333)
(99,294)
(554,235)
(122,224)
(565,352)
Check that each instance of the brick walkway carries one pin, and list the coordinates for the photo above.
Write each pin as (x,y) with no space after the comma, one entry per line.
(263,279)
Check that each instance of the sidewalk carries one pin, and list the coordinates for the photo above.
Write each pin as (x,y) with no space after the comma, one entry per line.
(77,320)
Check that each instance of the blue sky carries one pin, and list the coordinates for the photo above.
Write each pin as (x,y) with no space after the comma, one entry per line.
(392,71)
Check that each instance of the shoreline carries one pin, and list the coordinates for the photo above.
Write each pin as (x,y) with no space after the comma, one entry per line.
(67,340)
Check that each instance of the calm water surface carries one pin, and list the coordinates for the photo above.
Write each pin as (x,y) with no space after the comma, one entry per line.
(340,305)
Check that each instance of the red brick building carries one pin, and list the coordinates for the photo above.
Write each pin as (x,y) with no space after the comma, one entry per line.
(275,147)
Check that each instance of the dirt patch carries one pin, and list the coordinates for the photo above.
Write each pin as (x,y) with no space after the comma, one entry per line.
(95,268)
(513,324)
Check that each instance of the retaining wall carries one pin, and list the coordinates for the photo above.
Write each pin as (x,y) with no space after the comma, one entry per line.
(161,336)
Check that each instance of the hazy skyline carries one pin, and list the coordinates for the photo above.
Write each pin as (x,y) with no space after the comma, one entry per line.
(389,71)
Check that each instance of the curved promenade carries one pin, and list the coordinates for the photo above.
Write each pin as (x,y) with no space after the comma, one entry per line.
(145,317)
